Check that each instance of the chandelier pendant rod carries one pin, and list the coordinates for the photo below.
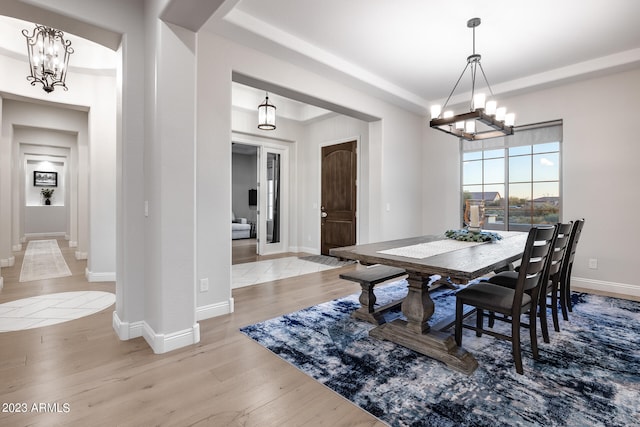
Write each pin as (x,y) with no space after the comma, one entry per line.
(454,88)
(473,83)
(485,79)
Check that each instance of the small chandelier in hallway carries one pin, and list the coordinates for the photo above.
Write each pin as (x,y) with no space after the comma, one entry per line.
(48,57)
(266,115)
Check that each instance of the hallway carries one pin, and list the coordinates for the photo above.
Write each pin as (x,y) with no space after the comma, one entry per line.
(39,291)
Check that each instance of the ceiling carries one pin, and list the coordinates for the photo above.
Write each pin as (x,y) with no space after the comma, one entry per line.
(408,52)
(411,52)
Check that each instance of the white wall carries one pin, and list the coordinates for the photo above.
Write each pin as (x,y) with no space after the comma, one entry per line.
(441,181)
(169,179)
(392,157)
(41,221)
(599,173)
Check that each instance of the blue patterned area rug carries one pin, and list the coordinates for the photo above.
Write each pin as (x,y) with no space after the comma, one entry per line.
(589,375)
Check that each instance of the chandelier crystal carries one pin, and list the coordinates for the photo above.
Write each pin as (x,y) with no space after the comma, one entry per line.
(484,119)
(48,57)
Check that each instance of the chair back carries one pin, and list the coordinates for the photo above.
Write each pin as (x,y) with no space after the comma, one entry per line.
(534,262)
(574,237)
(560,244)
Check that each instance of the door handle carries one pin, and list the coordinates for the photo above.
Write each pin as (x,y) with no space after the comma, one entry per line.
(324,214)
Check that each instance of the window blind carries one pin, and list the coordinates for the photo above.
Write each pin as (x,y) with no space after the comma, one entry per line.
(538,133)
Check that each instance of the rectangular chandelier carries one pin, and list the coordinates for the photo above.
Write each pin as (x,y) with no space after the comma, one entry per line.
(485,119)
(465,125)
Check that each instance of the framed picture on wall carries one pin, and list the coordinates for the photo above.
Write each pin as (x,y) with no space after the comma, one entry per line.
(45,179)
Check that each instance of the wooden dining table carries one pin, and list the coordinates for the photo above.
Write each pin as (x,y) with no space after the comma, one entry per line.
(425,256)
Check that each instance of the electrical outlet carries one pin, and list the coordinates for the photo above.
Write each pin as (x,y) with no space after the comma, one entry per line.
(593,263)
(204,285)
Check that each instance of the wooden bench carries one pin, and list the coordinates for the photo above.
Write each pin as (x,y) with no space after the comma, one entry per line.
(368,279)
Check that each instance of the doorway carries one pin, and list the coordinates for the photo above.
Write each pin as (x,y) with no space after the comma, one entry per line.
(244,209)
(259,198)
(338,196)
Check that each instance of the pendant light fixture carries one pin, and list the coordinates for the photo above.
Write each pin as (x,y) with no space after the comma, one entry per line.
(48,53)
(266,115)
(484,119)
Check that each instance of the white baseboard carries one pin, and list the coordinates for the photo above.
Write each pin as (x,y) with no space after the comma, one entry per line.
(312,251)
(81,255)
(16,248)
(8,262)
(163,343)
(126,330)
(214,310)
(73,244)
(622,289)
(99,277)
(159,343)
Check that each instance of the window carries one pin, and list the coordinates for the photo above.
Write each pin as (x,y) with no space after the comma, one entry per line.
(518,177)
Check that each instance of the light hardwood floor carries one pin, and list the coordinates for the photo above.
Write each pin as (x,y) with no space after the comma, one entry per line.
(225,380)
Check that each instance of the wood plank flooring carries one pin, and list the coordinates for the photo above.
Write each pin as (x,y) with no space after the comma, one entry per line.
(87,376)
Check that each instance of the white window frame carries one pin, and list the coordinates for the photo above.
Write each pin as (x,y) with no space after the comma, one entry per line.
(528,135)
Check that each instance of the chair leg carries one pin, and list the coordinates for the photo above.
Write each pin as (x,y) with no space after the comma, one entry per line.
(567,289)
(543,319)
(554,308)
(479,321)
(492,319)
(533,334)
(563,301)
(458,329)
(515,342)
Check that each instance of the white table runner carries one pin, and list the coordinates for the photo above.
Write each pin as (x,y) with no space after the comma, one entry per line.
(425,250)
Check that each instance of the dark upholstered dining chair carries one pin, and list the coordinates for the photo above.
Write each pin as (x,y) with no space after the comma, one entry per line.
(567,266)
(551,277)
(511,302)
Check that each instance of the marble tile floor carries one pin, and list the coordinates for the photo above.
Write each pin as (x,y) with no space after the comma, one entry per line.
(265,271)
(50,309)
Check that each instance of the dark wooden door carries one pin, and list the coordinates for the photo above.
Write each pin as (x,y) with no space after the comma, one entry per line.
(338,209)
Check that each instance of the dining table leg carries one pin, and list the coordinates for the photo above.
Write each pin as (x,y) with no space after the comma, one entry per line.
(415,333)
(418,306)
